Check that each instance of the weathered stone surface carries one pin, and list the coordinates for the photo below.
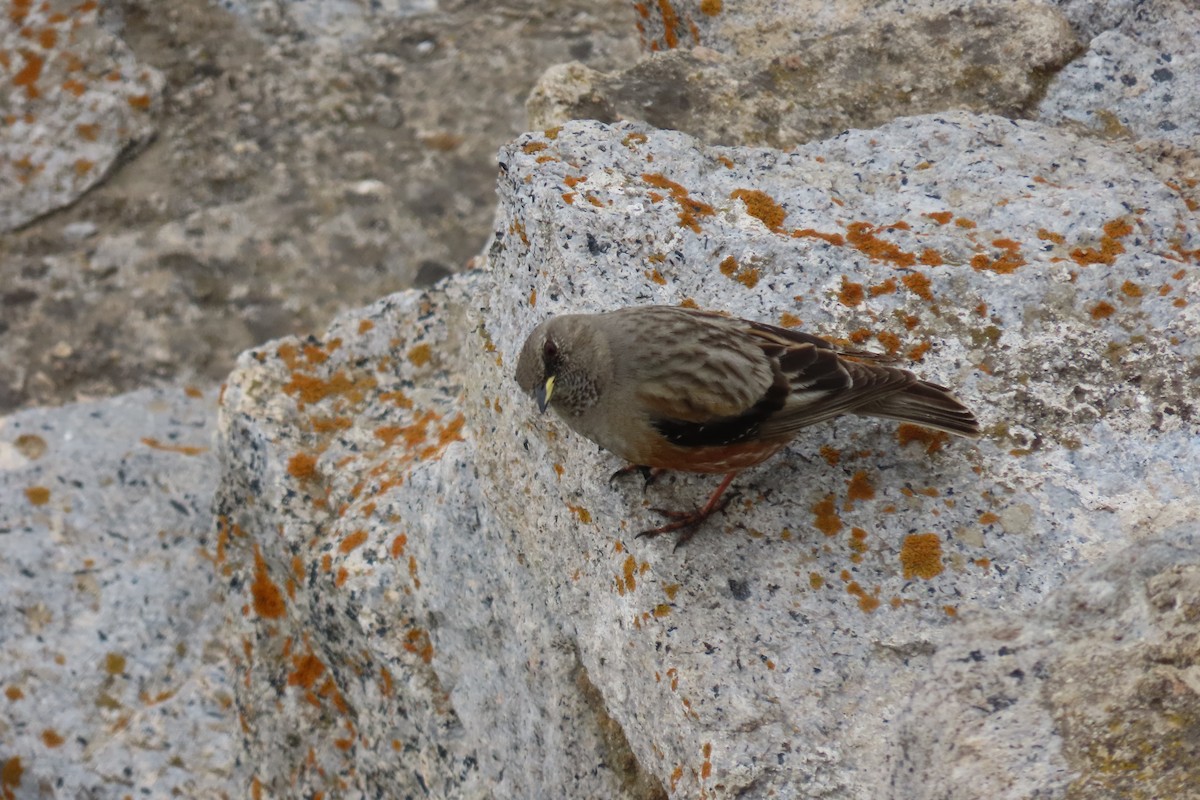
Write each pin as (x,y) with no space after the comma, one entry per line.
(114,676)
(1139,80)
(296,173)
(430,566)
(813,75)
(73,98)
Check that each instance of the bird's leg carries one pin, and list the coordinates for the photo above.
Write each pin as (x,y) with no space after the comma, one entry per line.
(688,521)
(649,474)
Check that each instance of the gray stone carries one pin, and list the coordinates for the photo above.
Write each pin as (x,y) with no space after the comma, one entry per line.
(423,563)
(114,677)
(75,99)
(293,176)
(812,75)
(1140,80)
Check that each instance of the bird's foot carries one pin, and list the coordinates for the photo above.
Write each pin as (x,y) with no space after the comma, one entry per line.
(686,522)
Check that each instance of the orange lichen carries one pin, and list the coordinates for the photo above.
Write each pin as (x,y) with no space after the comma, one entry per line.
(688,302)
(987,518)
(825,516)
(417,641)
(919,284)
(1050,236)
(656,276)
(307,669)
(747,276)
(933,440)
(14,693)
(831,455)
(921,556)
(419,355)
(412,572)
(10,775)
(37,495)
(302,466)
(931,258)
(917,351)
(1102,310)
(890,341)
(788,320)
(859,335)
(356,539)
(529,148)
(582,513)
(314,354)
(887,286)
(861,236)
(689,209)
(816,580)
(1131,289)
(268,600)
(398,544)
(710,8)
(311,389)
(859,488)
(866,602)
(964,223)
(858,540)
(940,217)
(851,293)
(762,206)
(835,239)
(1109,246)
(114,663)
(182,449)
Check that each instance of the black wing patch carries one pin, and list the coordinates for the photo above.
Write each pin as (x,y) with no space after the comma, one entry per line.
(721,431)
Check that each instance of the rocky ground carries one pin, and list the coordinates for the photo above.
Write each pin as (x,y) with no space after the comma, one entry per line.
(381,574)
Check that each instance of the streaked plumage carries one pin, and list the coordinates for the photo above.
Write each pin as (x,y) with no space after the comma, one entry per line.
(677,388)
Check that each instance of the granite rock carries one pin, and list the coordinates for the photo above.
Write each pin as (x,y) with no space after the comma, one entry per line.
(433,587)
(760,74)
(1139,80)
(75,100)
(114,675)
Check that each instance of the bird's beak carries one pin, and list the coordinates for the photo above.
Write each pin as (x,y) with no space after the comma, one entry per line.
(542,394)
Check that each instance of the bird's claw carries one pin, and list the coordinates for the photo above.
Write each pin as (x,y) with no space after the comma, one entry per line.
(649,474)
(686,522)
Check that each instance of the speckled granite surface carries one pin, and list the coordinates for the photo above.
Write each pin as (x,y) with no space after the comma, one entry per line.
(113,680)
(431,568)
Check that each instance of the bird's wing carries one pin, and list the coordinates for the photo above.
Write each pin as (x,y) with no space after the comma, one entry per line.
(787,336)
(690,366)
(822,384)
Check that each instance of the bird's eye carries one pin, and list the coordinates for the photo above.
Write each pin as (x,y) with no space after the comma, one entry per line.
(549,351)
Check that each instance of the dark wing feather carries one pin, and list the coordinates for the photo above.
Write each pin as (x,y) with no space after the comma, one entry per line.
(823,385)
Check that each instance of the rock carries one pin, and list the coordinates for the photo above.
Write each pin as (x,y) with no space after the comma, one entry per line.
(300,168)
(114,675)
(1139,80)
(811,73)
(433,588)
(79,100)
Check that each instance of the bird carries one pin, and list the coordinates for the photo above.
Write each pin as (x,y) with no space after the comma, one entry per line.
(676,388)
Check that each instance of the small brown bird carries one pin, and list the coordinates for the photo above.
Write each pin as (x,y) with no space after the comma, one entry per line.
(680,389)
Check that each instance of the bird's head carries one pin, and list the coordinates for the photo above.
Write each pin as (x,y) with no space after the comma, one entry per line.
(565,363)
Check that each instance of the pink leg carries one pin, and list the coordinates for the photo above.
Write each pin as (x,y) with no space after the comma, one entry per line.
(688,521)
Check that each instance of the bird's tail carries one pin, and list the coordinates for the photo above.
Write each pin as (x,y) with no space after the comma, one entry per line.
(927,404)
